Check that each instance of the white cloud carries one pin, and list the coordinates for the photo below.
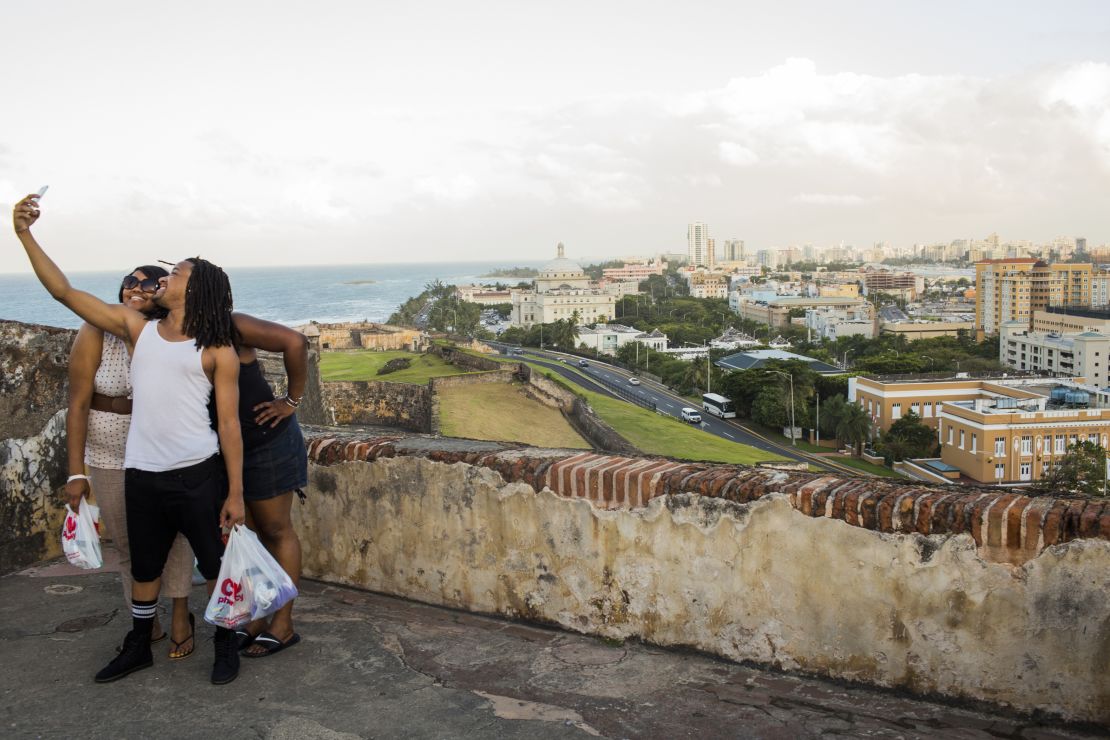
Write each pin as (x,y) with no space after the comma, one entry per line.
(788,154)
(737,154)
(832,199)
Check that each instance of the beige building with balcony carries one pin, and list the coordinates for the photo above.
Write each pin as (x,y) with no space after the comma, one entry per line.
(1016,434)
(1003,430)
(1013,289)
(886,400)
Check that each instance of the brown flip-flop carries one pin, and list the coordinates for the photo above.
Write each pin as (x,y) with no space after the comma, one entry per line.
(177,645)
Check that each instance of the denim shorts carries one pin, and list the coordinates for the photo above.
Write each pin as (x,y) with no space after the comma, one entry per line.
(276,467)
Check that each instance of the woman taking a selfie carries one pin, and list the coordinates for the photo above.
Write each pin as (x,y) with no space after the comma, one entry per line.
(97,422)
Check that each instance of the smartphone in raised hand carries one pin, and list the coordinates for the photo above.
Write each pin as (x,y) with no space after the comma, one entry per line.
(42,191)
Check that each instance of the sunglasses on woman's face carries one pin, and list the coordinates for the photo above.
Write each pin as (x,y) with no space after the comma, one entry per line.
(148,285)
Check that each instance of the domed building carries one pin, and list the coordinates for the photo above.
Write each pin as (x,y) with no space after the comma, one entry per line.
(561,290)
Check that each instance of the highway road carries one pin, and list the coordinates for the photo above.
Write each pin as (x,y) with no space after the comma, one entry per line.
(599,375)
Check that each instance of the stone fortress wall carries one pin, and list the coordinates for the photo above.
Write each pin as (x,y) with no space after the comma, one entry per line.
(364,335)
(969,594)
(33,388)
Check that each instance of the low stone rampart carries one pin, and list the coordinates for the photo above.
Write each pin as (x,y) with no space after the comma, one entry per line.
(457,357)
(578,414)
(379,403)
(967,593)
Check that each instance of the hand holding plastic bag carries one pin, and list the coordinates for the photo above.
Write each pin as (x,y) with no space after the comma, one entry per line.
(251,584)
(81,536)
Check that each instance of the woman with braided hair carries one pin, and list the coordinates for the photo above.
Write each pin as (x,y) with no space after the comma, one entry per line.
(275,461)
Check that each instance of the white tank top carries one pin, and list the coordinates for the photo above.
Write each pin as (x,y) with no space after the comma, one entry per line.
(170,426)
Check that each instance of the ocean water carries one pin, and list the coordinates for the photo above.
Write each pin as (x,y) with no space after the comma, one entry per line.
(287,295)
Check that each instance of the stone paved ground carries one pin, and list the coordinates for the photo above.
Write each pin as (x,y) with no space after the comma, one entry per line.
(378,667)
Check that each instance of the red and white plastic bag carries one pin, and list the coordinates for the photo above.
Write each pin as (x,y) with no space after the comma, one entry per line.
(81,536)
(251,584)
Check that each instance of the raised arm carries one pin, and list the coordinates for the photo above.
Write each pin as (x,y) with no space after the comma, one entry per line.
(84,359)
(225,380)
(115,318)
(271,337)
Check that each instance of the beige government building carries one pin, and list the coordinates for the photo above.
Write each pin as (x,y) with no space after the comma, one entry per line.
(562,291)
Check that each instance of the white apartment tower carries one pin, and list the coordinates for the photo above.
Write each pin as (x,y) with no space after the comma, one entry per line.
(697,239)
(734,250)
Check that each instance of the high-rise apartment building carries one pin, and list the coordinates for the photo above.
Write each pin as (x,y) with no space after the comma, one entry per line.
(1012,289)
(697,241)
(734,250)
(710,253)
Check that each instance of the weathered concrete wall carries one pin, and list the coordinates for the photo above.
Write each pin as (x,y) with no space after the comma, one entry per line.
(500,374)
(33,363)
(969,594)
(32,469)
(376,402)
(465,360)
(311,408)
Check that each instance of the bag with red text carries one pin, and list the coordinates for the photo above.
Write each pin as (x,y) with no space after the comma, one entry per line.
(81,536)
(251,584)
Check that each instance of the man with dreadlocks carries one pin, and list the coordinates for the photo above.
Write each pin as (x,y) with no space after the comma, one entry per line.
(175,479)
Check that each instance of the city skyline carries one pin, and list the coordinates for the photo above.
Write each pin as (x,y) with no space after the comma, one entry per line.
(490,133)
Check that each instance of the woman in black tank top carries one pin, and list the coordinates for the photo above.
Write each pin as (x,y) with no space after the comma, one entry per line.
(275,463)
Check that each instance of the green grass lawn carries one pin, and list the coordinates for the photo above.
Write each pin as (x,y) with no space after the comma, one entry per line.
(657,434)
(363,365)
(855,462)
(500,411)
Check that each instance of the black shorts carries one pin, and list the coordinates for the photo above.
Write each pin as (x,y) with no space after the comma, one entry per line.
(276,467)
(186,500)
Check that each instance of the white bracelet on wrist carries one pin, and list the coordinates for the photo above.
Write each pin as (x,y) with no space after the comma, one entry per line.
(79,476)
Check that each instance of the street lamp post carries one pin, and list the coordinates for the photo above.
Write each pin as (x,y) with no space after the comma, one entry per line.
(708,370)
(790,377)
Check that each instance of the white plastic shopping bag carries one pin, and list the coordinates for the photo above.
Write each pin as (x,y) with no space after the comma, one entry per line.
(251,584)
(81,536)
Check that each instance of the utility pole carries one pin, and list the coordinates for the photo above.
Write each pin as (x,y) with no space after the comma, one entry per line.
(817,420)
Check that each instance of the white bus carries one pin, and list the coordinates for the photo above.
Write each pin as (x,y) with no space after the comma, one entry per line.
(711,403)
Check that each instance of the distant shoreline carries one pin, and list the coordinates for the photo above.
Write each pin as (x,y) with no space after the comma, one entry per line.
(512,272)
(359,282)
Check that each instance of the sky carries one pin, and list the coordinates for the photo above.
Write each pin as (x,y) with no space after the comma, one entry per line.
(279,133)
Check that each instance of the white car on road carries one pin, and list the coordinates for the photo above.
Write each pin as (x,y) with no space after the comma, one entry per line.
(693,416)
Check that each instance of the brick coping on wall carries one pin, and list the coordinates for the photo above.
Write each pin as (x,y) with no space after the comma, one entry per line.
(1006,526)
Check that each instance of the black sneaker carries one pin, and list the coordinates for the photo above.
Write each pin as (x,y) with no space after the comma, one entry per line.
(134,656)
(225,668)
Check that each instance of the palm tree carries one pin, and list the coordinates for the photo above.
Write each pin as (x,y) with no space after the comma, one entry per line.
(854,427)
(564,333)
